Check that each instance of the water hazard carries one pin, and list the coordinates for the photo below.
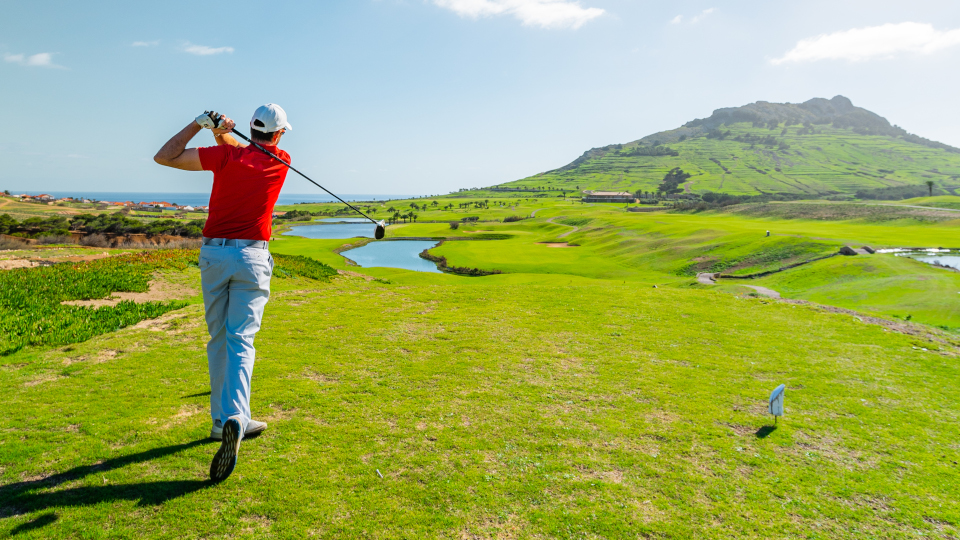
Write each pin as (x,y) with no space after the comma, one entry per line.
(936,257)
(336,228)
(394,254)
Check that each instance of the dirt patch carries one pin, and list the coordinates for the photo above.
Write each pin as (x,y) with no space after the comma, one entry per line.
(356,275)
(557,244)
(21,263)
(159,291)
(769,293)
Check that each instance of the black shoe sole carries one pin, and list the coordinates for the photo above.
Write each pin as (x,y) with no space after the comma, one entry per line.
(225,460)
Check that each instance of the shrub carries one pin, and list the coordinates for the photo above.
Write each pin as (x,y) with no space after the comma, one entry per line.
(511,219)
(55,239)
(9,242)
(454,225)
(95,240)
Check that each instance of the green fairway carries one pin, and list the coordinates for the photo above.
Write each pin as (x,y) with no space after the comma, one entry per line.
(493,407)
(567,397)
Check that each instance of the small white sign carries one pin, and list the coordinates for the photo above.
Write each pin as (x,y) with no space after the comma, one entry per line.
(776,401)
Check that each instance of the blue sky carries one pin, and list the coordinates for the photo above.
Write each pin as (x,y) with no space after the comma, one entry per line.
(428,96)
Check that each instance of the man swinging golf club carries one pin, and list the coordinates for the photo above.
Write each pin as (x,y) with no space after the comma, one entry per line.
(235,264)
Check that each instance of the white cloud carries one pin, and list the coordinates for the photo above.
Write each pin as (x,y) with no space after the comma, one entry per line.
(145,43)
(37,60)
(859,44)
(203,50)
(695,19)
(703,14)
(542,13)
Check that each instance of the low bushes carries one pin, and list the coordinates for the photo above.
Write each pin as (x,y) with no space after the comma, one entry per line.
(31,312)
(511,219)
(295,265)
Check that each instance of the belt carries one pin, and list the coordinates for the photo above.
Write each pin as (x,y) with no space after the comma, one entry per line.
(233,242)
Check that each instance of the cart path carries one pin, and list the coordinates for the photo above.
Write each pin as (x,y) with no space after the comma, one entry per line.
(568,233)
(707,278)
(769,293)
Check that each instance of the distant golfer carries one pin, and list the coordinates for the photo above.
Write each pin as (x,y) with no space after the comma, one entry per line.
(235,264)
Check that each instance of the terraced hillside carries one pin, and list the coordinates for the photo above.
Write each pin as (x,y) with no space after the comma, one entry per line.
(820,147)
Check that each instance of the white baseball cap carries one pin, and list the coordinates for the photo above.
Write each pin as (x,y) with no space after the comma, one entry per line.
(271,118)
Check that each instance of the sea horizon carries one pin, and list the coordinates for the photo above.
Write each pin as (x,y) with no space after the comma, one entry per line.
(203,199)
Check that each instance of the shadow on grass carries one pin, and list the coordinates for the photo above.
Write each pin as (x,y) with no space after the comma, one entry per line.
(36,523)
(763,432)
(207,393)
(27,497)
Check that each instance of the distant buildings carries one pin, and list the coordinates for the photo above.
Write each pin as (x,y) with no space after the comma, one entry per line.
(155,206)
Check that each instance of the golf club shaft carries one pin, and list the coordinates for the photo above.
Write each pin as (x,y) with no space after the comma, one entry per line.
(274,156)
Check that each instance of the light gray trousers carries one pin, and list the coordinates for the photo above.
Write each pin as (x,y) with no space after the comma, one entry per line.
(236,286)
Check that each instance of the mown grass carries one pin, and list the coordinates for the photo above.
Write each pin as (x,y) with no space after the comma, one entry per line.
(892,286)
(508,406)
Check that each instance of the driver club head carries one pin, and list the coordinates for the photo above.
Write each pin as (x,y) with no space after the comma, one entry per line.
(381,230)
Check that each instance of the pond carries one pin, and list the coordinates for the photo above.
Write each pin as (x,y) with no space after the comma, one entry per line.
(394,254)
(938,257)
(337,229)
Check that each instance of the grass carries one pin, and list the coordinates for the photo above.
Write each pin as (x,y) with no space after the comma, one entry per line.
(566,398)
(943,201)
(522,406)
(898,287)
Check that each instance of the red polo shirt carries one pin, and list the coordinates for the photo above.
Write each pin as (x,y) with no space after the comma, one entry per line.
(246,184)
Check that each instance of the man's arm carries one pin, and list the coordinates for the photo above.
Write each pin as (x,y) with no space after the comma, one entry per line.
(226,138)
(176,154)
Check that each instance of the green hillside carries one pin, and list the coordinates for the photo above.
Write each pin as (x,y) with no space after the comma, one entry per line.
(817,148)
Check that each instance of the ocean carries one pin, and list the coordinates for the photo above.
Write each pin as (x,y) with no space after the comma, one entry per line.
(203,199)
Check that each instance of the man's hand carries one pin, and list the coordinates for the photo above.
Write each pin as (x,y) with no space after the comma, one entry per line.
(224,125)
(208,120)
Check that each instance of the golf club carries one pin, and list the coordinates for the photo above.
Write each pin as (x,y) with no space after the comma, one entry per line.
(381,229)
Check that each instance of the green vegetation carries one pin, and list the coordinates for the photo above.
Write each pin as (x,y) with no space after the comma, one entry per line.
(31,312)
(36,227)
(525,406)
(891,286)
(297,265)
(813,149)
(31,299)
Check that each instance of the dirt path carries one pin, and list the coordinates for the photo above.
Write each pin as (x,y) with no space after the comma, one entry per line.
(705,278)
(568,233)
(769,293)
(534,213)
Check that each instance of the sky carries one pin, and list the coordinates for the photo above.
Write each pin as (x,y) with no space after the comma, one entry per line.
(429,96)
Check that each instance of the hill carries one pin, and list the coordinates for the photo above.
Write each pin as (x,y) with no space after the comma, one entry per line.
(817,148)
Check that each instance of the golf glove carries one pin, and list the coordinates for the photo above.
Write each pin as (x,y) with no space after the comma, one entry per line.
(205,120)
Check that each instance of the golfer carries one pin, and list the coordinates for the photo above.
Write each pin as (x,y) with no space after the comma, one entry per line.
(235,264)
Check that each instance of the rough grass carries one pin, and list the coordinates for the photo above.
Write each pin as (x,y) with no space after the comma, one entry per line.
(510,406)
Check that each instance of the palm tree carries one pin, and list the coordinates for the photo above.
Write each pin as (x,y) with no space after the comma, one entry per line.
(930,186)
